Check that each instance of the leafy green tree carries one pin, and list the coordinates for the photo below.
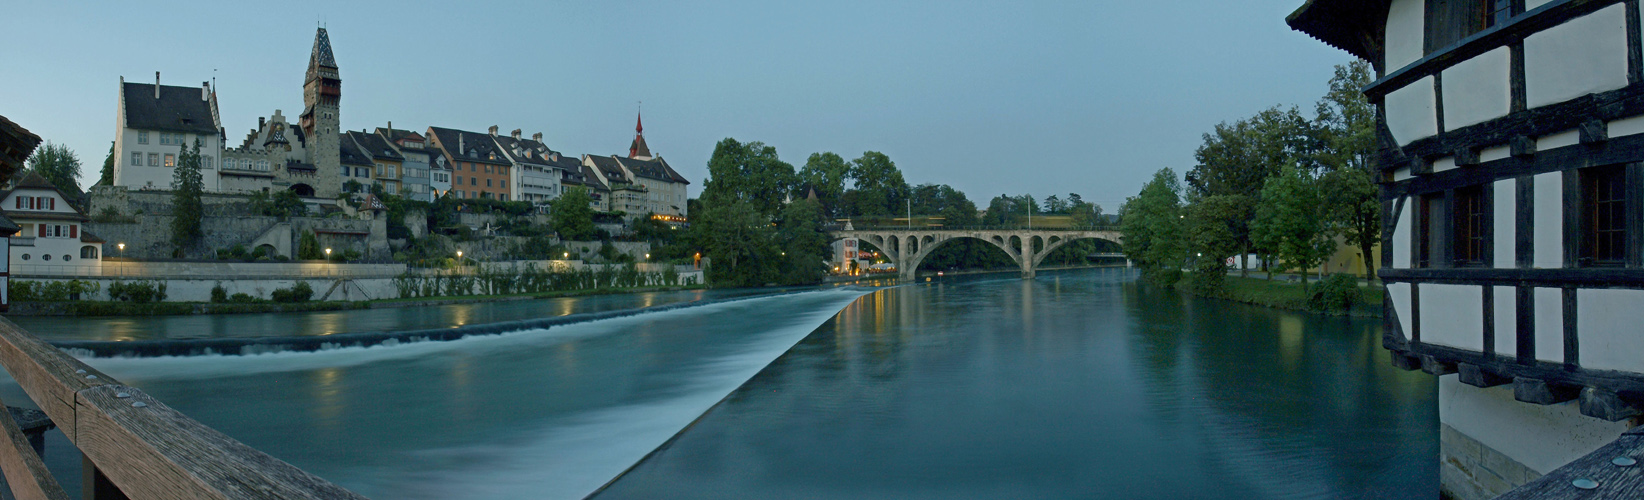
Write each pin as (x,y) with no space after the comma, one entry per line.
(804,247)
(748,173)
(1346,122)
(1153,228)
(827,173)
(742,250)
(572,214)
(187,210)
(107,178)
(1210,236)
(1055,205)
(1237,159)
(59,166)
(1290,221)
(879,190)
(956,210)
(308,247)
(1084,214)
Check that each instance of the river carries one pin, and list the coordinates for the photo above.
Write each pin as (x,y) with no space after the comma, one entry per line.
(1074,385)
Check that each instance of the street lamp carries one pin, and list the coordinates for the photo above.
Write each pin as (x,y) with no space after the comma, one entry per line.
(647,256)
(328,254)
(567,255)
(122,247)
(459,256)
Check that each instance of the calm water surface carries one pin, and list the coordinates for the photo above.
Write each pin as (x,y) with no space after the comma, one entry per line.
(1074,385)
(1069,386)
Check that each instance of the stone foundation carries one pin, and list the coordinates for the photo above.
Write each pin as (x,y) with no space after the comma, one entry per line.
(1469,470)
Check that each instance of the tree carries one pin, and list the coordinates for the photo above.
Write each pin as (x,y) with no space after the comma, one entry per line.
(1055,205)
(308,247)
(748,173)
(58,165)
(107,177)
(804,246)
(572,214)
(741,248)
(879,187)
(827,173)
(1237,159)
(186,208)
(1210,224)
(1290,222)
(1152,224)
(1346,121)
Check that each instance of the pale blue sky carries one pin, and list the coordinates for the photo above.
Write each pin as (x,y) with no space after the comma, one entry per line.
(991,98)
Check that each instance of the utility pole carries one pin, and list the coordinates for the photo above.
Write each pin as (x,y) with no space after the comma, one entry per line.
(910,213)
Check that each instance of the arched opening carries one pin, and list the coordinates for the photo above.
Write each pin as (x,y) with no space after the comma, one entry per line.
(267,249)
(303,190)
(966,253)
(88,252)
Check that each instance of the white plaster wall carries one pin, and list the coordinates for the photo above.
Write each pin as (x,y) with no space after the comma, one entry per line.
(1453,315)
(1400,293)
(1405,33)
(1608,323)
(1627,126)
(1542,438)
(1549,220)
(1505,303)
(1410,114)
(1584,55)
(1549,324)
(1495,153)
(1505,225)
(1477,89)
(1402,174)
(1443,164)
(1558,140)
(1401,235)
(144,176)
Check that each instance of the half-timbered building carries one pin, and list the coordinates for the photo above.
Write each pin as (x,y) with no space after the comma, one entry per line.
(1510,139)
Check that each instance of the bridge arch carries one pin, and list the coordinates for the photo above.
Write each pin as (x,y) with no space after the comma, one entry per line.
(909,247)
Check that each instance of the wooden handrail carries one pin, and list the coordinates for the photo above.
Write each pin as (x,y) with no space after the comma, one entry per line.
(144,447)
(25,472)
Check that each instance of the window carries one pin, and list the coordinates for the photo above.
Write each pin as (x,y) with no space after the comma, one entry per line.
(262,165)
(154,159)
(142,137)
(1496,12)
(1470,223)
(473,181)
(505,183)
(346,171)
(88,252)
(45,256)
(205,162)
(228,163)
(171,160)
(165,138)
(488,183)
(1449,21)
(136,159)
(1429,240)
(1603,216)
(458,180)
(25,256)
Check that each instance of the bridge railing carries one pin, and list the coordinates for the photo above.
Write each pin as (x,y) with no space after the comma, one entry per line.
(134,446)
(892,227)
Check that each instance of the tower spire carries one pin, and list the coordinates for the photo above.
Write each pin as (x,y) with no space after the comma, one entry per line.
(638,149)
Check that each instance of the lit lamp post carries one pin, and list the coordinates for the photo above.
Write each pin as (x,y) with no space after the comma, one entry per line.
(122,247)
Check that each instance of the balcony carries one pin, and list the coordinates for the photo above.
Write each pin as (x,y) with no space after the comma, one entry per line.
(22,241)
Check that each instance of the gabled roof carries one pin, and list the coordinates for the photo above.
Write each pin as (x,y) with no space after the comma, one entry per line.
(376,146)
(16,144)
(36,181)
(397,135)
(581,174)
(653,169)
(179,109)
(480,144)
(609,168)
(87,237)
(8,228)
(525,150)
(351,154)
(1356,26)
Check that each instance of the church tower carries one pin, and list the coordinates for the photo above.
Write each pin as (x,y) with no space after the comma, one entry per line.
(638,149)
(322,93)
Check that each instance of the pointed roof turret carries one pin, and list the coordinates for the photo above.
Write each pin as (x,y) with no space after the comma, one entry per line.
(321,64)
(638,149)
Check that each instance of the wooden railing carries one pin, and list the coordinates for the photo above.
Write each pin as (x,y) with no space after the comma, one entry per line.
(134,445)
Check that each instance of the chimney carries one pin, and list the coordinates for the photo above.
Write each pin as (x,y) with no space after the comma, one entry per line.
(156,85)
(260,123)
(459,144)
(205,91)
(493,130)
(537,137)
(390,127)
(515,133)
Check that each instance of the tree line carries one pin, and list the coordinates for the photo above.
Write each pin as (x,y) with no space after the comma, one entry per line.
(1279,185)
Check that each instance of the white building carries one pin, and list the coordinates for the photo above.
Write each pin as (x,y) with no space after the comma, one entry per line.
(154,123)
(535,175)
(52,238)
(1510,138)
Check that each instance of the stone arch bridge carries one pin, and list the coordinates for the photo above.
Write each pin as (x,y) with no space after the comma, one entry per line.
(907,247)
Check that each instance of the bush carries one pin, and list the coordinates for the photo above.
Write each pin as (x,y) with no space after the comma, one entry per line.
(299,292)
(141,292)
(1338,292)
(218,294)
(241,298)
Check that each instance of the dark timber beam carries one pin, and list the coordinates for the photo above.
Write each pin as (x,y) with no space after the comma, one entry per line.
(1541,392)
(1434,366)
(1406,362)
(1606,405)
(1476,376)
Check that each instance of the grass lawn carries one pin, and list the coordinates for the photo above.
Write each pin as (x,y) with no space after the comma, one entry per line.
(1283,294)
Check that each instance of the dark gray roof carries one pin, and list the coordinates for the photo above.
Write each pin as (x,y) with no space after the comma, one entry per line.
(16,144)
(654,169)
(539,152)
(480,144)
(321,55)
(351,154)
(7,227)
(1350,25)
(179,109)
(376,146)
(608,166)
(580,175)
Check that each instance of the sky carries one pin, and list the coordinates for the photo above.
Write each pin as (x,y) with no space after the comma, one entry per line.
(991,98)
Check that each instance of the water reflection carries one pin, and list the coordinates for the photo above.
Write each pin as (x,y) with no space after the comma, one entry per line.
(1077,385)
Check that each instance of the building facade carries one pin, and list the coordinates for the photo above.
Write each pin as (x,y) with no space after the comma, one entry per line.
(535,173)
(1511,134)
(153,125)
(304,157)
(387,164)
(417,172)
(52,239)
(479,169)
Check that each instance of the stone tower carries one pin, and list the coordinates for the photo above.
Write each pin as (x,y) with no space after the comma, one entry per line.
(322,93)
